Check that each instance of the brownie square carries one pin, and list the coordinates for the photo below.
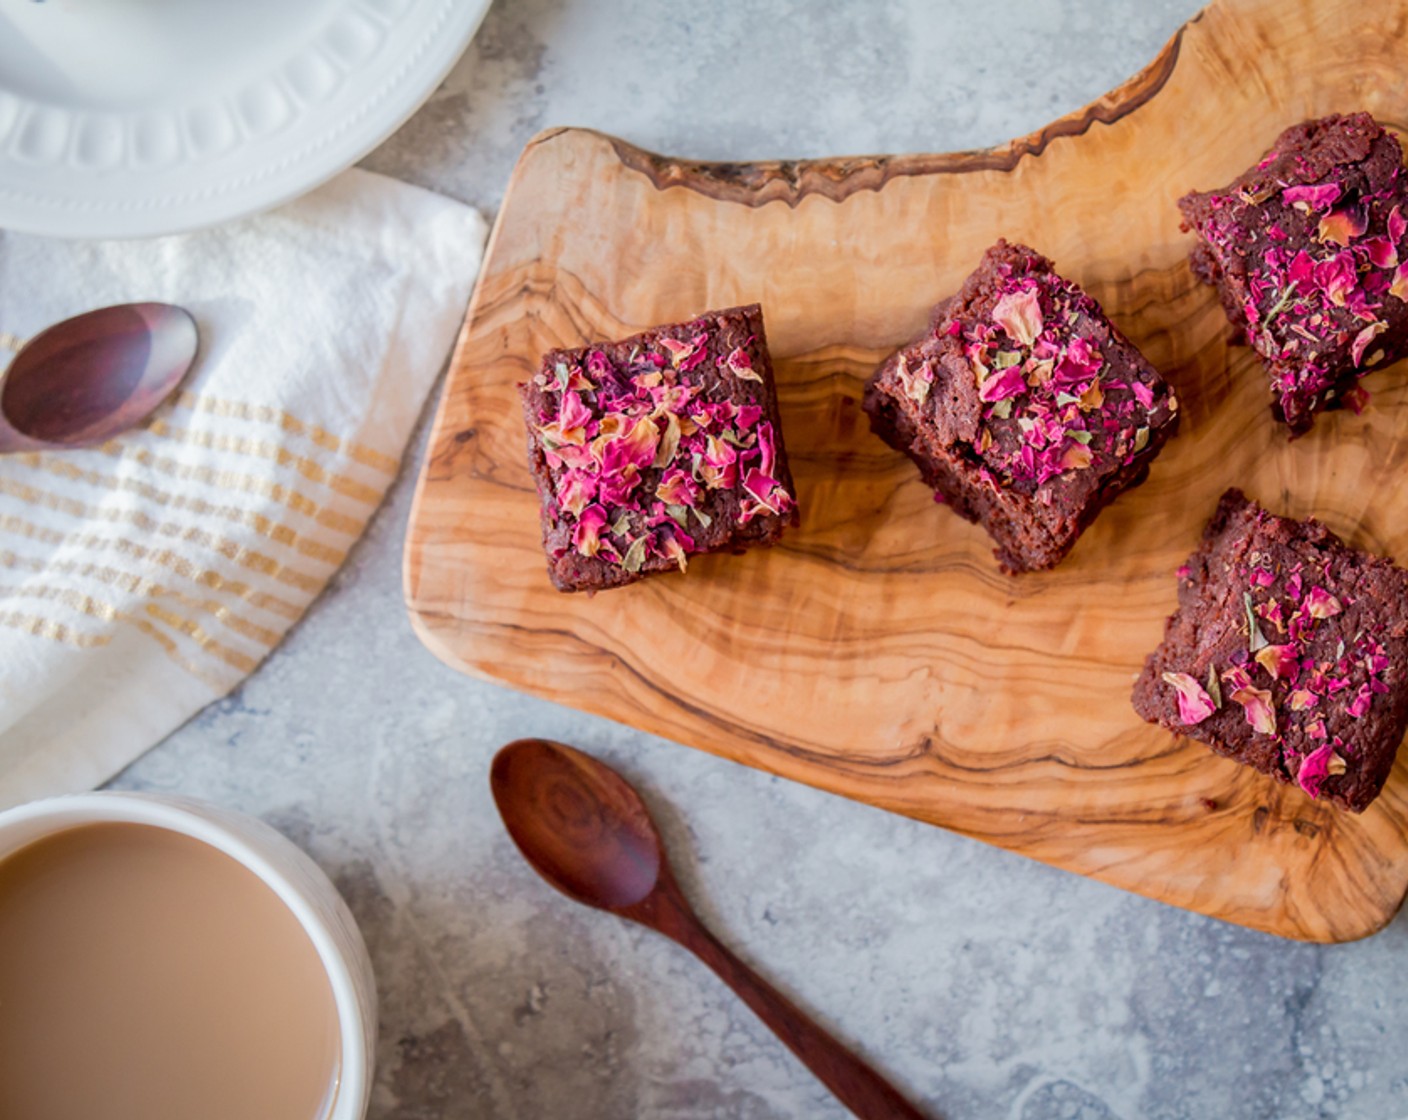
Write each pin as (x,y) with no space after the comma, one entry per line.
(1288,653)
(1307,253)
(649,450)
(1023,406)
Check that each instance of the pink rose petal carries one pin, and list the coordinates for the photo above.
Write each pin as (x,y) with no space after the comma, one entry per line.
(586,536)
(1019,314)
(1194,704)
(1319,603)
(576,489)
(1314,769)
(1279,661)
(741,364)
(1382,252)
(676,488)
(1399,287)
(1256,705)
(1342,226)
(1002,385)
(1319,196)
(767,448)
(1363,338)
(573,414)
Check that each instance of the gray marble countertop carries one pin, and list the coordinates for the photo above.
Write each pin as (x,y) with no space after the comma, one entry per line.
(985,985)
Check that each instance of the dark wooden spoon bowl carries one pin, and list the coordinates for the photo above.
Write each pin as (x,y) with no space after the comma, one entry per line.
(85,380)
(588,833)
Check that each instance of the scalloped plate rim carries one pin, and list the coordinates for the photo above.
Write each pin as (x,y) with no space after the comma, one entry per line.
(55,195)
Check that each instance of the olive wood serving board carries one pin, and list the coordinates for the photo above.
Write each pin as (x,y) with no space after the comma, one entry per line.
(878,652)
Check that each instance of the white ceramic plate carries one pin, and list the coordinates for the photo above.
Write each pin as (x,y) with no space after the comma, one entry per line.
(129,118)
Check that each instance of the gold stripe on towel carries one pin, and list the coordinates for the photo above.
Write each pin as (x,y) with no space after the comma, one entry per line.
(106,612)
(232,480)
(274,530)
(259,413)
(180,565)
(261,449)
(54,631)
(255,561)
(139,585)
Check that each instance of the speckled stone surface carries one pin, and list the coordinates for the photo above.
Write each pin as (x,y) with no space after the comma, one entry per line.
(986,986)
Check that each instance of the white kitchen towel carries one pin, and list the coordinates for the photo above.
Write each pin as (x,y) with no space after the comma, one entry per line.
(143,579)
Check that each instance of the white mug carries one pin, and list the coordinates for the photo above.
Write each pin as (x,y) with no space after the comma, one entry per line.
(286,869)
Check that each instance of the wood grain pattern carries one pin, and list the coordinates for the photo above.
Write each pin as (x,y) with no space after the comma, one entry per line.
(878,652)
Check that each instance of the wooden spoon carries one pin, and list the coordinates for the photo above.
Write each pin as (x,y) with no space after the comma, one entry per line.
(587,832)
(83,381)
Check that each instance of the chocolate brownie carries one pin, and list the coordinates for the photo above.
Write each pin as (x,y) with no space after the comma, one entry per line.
(1307,253)
(1288,652)
(1023,406)
(649,450)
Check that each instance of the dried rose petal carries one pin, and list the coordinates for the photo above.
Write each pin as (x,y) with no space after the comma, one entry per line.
(915,382)
(586,536)
(675,551)
(599,366)
(572,419)
(767,448)
(1076,458)
(1019,314)
(669,442)
(1092,398)
(741,364)
(1363,338)
(1080,360)
(718,467)
(635,554)
(677,488)
(1318,197)
(1301,699)
(615,488)
(1343,226)
(636,448)
(1319,603)
(1256,705)
(763,488)
(683,352)
(1397,224)
(576,489)
(1194,704)
(1336,277)
(1001,386)
(1382,252)
(1279,661)
(1359,706)
(1399,287)
(1314,769)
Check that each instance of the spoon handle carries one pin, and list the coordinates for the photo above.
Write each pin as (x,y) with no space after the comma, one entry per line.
(855,1084)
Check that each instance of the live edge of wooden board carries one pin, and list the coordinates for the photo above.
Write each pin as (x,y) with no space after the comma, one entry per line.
(878,652)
